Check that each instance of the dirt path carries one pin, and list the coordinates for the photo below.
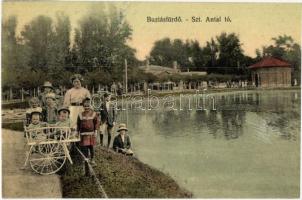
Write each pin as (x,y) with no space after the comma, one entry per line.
(18,183)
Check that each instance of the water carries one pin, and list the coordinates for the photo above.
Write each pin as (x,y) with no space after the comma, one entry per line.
(248,147)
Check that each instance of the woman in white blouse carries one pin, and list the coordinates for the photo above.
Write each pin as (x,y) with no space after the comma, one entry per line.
(74,97)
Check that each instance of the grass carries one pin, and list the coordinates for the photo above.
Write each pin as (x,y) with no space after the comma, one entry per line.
(122,177)
(16,126)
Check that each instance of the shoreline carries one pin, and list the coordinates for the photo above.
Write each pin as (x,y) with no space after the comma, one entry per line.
(120,175)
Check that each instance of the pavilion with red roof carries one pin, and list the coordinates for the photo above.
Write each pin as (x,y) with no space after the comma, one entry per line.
(271,72)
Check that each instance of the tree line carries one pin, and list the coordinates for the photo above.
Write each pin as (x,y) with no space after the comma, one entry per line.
(45,50)
(223,54)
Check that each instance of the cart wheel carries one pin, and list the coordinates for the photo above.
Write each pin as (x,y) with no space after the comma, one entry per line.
(47,159)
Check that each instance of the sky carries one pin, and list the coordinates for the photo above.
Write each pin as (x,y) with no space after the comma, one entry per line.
(254,23)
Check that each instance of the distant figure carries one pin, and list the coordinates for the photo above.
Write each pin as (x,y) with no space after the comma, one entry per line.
(49,112)
(74,97)
(122,142)
(88,124)
(34,104)
(47,88)
(108,117)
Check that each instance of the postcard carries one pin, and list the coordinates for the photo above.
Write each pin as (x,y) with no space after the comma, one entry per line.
(150,99)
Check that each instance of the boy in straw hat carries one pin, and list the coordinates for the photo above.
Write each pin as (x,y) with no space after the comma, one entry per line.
(122,142)
(87,125)
(74,97)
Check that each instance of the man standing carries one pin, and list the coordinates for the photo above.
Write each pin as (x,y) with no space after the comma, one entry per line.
(108,118)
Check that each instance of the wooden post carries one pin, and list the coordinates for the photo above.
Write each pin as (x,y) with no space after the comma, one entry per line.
(34,92)
(22,95)
(126,77)
(10,93)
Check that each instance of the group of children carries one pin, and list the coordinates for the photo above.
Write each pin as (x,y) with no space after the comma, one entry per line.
(44,112)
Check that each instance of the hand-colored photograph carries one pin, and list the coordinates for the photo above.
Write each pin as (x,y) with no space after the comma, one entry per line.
(150,99)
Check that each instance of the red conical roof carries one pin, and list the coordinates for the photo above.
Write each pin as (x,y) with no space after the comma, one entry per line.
(270,62)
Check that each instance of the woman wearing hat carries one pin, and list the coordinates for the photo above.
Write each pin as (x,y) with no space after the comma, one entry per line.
(74,97)
(122,142)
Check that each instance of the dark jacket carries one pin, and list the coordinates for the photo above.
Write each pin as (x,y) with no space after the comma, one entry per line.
(118,142)
(108,116)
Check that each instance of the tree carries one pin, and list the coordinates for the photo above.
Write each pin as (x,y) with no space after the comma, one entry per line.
(286,48)
(210,55)
(62,40)
(230,52)
(162,52)
(38,38)
(101,41)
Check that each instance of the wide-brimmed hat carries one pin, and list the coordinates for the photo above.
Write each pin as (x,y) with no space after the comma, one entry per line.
(50,95)
(76,76)
(47,84)
(122,126)
(35,112)
(64,108)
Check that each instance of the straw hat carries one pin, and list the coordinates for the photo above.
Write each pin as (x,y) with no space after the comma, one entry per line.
(35,112)
(47,84)
(50,95)
(64,108)
(122,126)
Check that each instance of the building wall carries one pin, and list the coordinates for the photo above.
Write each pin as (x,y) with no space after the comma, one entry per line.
(272,77)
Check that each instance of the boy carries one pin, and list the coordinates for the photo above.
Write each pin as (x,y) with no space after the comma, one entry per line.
(34,106)
(49,112)
(108,117)
(63,118)
(88,125)
(35,124)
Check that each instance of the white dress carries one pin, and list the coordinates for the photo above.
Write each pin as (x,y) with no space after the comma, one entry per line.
(75,95)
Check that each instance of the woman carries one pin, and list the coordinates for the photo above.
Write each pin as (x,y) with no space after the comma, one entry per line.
(74,98)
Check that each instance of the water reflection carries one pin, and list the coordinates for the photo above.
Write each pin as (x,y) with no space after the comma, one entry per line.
(280,111)
(251,140)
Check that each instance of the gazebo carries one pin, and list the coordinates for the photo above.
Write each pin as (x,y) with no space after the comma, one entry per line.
(271,72)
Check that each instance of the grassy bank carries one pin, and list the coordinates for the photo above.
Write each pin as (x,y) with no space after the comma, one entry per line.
(121,177)
(16,126)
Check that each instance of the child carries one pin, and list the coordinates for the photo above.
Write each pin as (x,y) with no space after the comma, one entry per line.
(87,125)
(63,121)
(35,124)
(122,142)
(63,118)
(49,112)
(34,106)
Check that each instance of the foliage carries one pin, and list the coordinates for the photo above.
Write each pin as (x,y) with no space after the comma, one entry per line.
(284,48)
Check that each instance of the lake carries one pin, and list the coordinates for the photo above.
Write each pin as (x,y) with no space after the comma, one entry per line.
(241,144)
